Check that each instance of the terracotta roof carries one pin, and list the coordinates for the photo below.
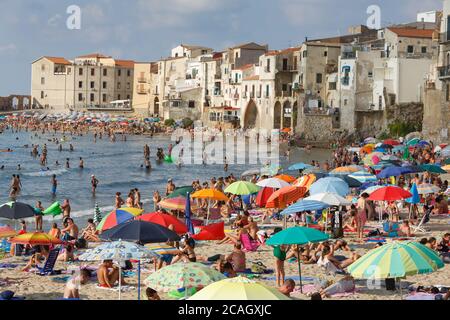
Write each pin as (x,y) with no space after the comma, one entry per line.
(245,67)
(251,78)
(58,60)
(413,33)
(125,63)
(94,55)
(284,51)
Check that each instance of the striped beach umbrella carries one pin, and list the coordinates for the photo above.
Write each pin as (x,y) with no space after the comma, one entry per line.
(282,198)
(6,232)
(36,239)
(286,178)
(117,217)
(363,177)
(427,188)
(396,260)
(305,205)
(178,203)
(305,181)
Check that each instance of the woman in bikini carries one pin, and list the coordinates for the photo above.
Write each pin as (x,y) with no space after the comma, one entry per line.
(280,254)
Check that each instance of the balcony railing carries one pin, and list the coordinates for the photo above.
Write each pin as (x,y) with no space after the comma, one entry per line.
(444,71)
(288,68)
(348,55)
(142,80)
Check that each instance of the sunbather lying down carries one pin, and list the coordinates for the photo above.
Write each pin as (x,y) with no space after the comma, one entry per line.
(345,285)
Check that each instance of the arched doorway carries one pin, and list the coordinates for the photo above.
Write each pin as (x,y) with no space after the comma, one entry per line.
(251,118)
(15,103)
(156,107)
(277,116)
(287,115)
(26,103)
(294,115)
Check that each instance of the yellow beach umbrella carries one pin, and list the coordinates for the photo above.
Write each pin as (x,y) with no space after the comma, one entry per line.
(446,168)
(210,194)
(239,288)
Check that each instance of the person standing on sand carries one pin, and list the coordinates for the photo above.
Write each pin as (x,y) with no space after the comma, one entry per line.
(137,199)
(361,216)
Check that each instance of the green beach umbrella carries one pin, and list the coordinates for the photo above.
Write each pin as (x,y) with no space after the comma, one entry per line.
(181,192)
(297,236)
(242,188)
(396,260)
(413,142)
(432,168)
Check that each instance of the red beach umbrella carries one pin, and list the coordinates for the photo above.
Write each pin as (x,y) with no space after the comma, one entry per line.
(390,194)
(164,220)
(263,196)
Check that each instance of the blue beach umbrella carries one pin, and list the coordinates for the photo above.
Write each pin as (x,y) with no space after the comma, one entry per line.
(364,177)
(305,205)
(299,166)
(188,213)
(392,172)
(415,199)
(332,185)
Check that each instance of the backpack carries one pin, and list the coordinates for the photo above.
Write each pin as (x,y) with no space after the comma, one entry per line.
(258,267)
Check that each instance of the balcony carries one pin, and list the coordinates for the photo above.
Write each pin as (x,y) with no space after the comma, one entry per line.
(288,68)
(348,55)
(142,80)
(444,72)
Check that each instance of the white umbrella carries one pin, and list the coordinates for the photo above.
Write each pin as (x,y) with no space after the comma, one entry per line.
(331,199)
(273,183)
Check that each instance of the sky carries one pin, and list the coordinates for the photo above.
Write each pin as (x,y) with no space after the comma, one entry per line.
(146,30)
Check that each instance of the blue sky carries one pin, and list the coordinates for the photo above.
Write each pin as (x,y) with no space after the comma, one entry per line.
(146,30)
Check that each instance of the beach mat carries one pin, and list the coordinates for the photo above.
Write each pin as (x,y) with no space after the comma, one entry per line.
(124,288)
(8,266)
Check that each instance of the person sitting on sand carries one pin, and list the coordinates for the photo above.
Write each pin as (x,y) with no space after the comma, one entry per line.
(152,294)
(107,278)
(90,233)
(351,224)
(327,259)
(405,229)
(187,253)
(229,271)
(73,285)
(341,244)
(55,231)
(288,287)
(237,258)
(67,254)
(71,231)
(39,257)
(252,229)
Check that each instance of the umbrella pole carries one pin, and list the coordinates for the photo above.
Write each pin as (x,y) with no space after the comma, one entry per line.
(139,280)
(299,269)
(120,281)
(207,217)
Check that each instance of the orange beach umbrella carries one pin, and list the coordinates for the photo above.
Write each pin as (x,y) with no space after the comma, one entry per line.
(285,196)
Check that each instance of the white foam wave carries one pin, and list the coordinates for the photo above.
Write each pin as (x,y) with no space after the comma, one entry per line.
(46,173)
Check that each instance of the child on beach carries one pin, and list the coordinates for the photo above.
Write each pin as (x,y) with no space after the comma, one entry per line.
(280,253)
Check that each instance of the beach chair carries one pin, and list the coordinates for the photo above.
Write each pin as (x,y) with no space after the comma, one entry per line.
(248,244)
(49,265)
(423,221)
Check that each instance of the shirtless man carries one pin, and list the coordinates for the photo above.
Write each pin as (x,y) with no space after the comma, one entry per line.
(170,187)
(66,209)
(14,187)
(71,231)
(107,278)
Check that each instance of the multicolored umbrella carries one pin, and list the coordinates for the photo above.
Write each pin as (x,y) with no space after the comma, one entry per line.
(178,203)
(239,289)
(273,183)
(242,188)
(363,177)
(164,220)
(36,239)
(390,194)
(282,198)
(396,260)
(117,217)
(330,185)
(305,181)
(373,159)
(427,188)
(183,275)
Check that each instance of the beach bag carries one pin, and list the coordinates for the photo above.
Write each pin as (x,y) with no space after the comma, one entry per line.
(81,244)
(374,233)
(258,267)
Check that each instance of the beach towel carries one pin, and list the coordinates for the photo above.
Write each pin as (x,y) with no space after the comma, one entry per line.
(249,271)
(421,296)
(61,279)
(8,266)
(116,288)
(248,244)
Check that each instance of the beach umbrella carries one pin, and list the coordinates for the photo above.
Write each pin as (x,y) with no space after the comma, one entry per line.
(97,214)
(270,170)
(264,195)
(178,203)
(238,289)
(242,188)
(372,189)
(188,214)
(35,239)
(6,232)
(392,172)
(446,168)
(282,198)
(446,152)
(305,181)
(400,148)
(352,183)
(140,231)
(432,168)
(391,142)
(119,251)
(181,192)
(330,184)
(211,232)
(314,170)
(413,169)
(299,166)
(117,217)
(413,142)
(273,183)
(390,193)
(251,172)
(368,149)
(396,260)
(210,194)
(286,178)
(297,236)
(183,276)
(363,176)
(331,199)
(304,205)
(16,210)
(343,171)
(164,220)
(415,199)
(427,188)
(370,140)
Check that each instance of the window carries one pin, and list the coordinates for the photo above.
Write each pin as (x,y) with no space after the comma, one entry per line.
(104,85)
(424,49)
(43,68)
(410,49)
(237,55)
(80,97)
(92,84)
(128,85)
(267,91)
(119,97)
(92,97)
(318,78)
(284,87)
(305,53)
(92,72)
(332,85)
(345,102)
(119,72)
(128,97)
(42,80)
(447,93)
(191,104)
(346,77)
(119,85)
(80,84)
(42,94)
(104,97)
(80,71)
(128,73)
(69,70)
(268,65)
(380,101)
(105,72)
(370,74)
(325,53)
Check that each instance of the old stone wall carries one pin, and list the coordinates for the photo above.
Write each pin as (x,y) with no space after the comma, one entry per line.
(317,128)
